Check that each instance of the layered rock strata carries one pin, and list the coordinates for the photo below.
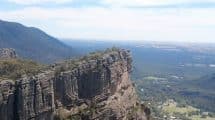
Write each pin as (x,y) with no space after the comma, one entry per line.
(95,88)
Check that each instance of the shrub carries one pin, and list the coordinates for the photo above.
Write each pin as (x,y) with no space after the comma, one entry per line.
(15,68)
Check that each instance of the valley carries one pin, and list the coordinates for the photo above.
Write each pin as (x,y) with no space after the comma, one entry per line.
(182,76)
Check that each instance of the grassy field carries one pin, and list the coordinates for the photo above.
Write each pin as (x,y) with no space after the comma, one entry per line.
(153,78)
(199,117)
(171,108)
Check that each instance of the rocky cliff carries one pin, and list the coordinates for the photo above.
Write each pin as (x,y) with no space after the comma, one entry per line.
(94,87)
(7,53)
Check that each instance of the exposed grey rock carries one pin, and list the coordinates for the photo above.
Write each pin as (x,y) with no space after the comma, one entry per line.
(103,84)
(35,97)
(95,89)
(66,88)
(100,76)
(7,53)
(7,98)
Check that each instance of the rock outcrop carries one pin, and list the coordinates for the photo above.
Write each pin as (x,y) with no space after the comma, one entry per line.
(96,87)
(7,98)
(35,97)
(7,53)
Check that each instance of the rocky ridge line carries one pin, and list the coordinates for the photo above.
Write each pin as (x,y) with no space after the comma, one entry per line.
(95,88)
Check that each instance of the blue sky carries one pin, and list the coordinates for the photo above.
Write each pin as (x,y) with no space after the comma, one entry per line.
(156,20)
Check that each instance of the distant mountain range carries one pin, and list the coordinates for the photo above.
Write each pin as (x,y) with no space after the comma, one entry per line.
(32,43)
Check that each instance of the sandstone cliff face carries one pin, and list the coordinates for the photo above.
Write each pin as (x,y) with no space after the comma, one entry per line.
(7,97)
(28,98)
(35,97)
(94,77)
(99,89)
(93,89)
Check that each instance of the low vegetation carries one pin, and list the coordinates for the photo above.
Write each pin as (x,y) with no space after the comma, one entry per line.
(98,54)
(16,68)
(72,63)
(172,109)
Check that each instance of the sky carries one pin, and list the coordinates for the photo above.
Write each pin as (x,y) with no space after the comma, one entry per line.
(140,20)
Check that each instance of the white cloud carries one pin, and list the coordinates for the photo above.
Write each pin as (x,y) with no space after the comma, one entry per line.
(33,2)
(126,3)
(117,3)
(120,23)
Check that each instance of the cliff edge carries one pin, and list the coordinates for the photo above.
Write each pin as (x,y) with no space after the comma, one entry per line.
(94,87)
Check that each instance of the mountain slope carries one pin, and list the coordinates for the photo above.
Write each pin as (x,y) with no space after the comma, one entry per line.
(28,40)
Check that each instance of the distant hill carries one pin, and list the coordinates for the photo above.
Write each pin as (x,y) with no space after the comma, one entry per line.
(32,43)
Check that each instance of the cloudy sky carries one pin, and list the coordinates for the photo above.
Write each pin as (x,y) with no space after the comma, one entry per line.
(157,20)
